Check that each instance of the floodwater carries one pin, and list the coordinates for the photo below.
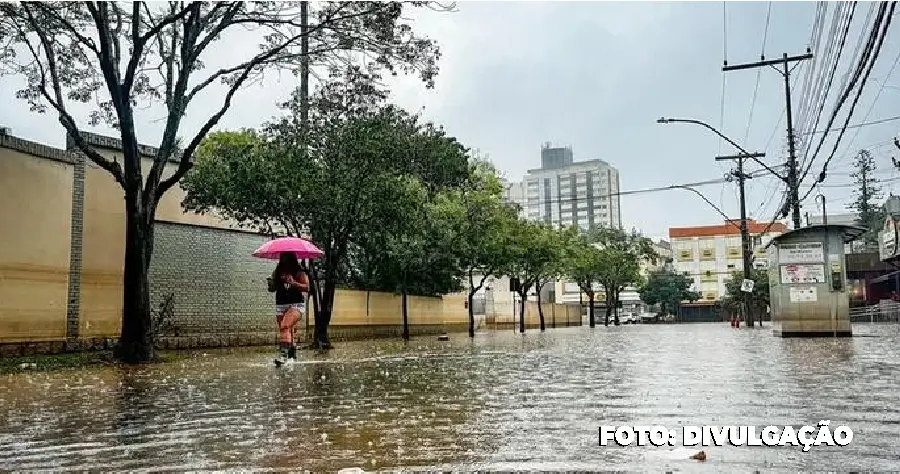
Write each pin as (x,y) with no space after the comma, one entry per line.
(502,402)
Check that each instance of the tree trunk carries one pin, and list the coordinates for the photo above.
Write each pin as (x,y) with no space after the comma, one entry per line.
(616,308)
(540,309)
(404,312)
(522,312)
(327,306)
(609,304)
(136,339)
(315,295)
(471,313)
(591,320)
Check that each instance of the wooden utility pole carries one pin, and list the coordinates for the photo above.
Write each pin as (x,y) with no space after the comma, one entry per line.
(792,178)
(746,245)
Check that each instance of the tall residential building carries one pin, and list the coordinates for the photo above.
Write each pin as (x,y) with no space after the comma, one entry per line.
(565,192)
(711,254)
(514,193)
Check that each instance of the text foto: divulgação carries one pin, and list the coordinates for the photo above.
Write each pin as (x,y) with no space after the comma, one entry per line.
(804,436)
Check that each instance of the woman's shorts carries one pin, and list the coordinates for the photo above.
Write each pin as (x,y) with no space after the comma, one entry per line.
(283,308)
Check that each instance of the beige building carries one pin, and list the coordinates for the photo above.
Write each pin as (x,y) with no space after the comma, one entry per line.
(709,255)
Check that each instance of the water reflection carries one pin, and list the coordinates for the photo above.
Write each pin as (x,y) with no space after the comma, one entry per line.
(501,402)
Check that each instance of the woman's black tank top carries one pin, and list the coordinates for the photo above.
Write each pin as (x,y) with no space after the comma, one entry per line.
(288,294)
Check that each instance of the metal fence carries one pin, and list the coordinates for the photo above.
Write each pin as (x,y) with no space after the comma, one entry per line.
(885,312)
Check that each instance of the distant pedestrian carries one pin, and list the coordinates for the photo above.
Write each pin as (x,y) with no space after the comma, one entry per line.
(290,284)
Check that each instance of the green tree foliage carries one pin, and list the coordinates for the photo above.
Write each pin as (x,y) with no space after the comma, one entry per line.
(536,256)
(531,252)
(667,289)
(482,227)
(867,196)
(362,159)
(115,56)
(759,298)
(620,255)
(582,264)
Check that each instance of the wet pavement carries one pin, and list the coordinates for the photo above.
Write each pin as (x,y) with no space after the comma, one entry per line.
(501,402)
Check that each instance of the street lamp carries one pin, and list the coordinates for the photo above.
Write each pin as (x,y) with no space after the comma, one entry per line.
(667,120)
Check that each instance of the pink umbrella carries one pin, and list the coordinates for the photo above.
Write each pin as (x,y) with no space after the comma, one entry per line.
(303,249)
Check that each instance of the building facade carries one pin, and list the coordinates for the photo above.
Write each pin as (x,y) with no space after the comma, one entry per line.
(564,192)
(709,255)
(514,194)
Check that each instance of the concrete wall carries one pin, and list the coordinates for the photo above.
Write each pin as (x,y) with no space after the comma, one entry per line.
(555,315)
(61,264)
(35,218)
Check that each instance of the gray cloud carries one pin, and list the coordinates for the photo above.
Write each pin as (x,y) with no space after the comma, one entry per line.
(596,76)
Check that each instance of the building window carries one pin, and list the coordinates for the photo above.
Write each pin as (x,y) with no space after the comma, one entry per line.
(734,252)
(684,256)
(707,254)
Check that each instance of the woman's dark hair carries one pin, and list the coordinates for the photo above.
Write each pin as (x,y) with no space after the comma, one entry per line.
(287,263)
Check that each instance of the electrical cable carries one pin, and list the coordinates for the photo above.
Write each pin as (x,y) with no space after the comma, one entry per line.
(815,97)
(541,201)
(874,101)
(871,60)
(758,73)
(866,59)
(815,39)
(810,159)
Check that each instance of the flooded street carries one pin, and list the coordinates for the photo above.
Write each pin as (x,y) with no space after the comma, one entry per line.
(500,402)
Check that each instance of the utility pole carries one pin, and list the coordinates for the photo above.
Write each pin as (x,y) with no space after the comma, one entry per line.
(785,61)
(304,64)
(746,245)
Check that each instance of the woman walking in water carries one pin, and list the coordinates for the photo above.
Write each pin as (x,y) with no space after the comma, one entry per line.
(290,285)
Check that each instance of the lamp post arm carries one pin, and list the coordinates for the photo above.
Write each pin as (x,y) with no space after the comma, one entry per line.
(730,141)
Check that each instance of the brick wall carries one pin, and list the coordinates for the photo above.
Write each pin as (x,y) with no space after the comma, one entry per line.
(218,287)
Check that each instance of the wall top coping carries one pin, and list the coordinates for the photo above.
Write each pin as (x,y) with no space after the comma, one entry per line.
(209,227)
(71,152)
(36,149)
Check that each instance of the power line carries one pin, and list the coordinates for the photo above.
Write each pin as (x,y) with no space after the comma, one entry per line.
(849,185)
(810,159)
(875,101)
(815,41)
(540,200)
(724,59)
(871,59)
(859,125)
(867,58)
(758,73)
(815,97)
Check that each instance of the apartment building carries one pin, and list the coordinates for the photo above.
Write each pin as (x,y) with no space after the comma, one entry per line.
(514,194)
(711,254)
(564,192)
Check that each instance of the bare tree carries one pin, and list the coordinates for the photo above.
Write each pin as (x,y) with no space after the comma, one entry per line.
(117,55)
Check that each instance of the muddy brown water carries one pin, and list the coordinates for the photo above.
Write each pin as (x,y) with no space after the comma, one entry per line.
(500,402)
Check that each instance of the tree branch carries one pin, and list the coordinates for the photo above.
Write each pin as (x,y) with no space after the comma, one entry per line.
(67,121)
(185,164)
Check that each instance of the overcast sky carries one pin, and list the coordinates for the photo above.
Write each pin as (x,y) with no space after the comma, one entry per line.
(596,76)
